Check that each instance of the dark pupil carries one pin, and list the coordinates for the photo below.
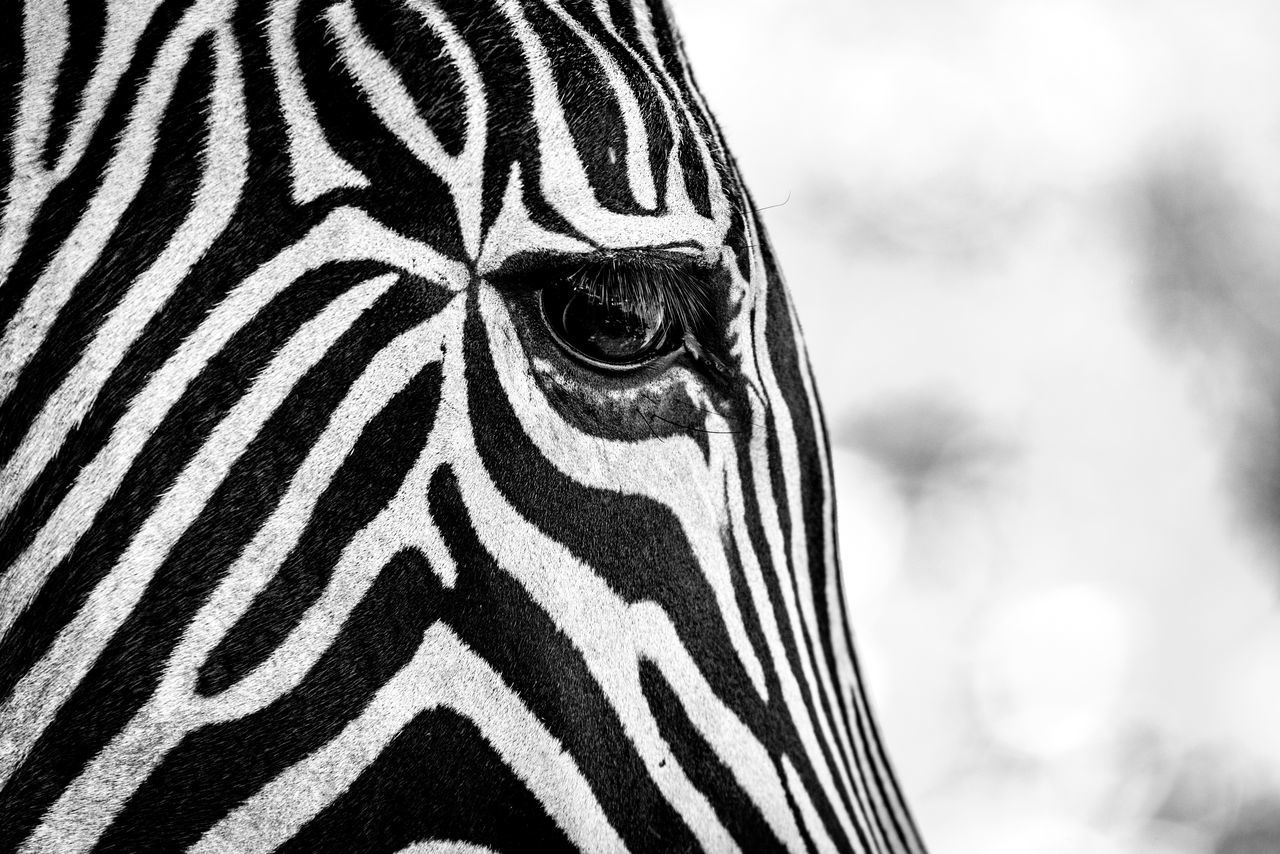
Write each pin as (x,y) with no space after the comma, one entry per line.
(601,331)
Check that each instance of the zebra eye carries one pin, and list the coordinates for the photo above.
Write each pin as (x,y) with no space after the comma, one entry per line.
(615,334)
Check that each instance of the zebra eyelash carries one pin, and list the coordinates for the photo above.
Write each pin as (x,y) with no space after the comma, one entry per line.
(682,285)
(681,290)
(674,281)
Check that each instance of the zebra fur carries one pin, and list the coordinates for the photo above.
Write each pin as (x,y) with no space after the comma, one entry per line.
(313,538)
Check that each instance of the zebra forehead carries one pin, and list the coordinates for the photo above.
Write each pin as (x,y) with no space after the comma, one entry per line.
(588,108)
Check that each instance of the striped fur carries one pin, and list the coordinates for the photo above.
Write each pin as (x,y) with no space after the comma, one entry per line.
(314,539)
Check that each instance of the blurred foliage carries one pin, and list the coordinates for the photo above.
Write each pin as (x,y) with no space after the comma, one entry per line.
(1213,286)
(927,445)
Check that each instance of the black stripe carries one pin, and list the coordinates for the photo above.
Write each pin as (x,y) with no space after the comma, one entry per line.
(205,402)
(419,57)
(125,674)
(13,56)
(784,357)
(652,113)
(404,194)
(634,543)
(789,371)
(783,736)
(670,70)
(705,769)
(540,663)
(438,779)
(362,487)
(591,110)
(164,200)
(68,201)
(86,29)
(216,768)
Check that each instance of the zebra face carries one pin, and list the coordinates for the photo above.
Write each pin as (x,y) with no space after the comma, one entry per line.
(407,441)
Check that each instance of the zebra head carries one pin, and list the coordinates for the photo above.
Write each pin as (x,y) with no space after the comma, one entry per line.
(408,445)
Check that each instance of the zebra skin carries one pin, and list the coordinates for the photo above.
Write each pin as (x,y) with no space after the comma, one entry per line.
(407,445)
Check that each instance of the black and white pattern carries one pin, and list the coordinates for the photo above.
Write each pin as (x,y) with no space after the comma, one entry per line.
(313,538)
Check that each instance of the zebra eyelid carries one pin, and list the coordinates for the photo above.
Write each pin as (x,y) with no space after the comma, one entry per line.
(685,286)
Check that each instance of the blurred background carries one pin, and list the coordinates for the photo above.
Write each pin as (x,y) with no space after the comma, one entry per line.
(1035,248)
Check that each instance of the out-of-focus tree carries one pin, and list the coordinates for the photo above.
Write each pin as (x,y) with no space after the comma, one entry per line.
(1212,285)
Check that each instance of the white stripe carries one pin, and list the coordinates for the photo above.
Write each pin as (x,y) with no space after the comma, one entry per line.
(316,168)
(443,673)
(125,22)
(604,630)
(395,107)
(564,182)
(403,522)
(43,689)
(866,766)
(27,329)
(797,700)
(668,470)
(438,846)
(215,201)
(677,197)
(346,234)
(175,709)
(720,200)
(45,41)
(44,37)
(615,636)
(813,663)
(639,174)
(812,821)
(514,231)
(389,372)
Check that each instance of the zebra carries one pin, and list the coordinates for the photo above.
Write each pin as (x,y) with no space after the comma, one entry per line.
(407,444)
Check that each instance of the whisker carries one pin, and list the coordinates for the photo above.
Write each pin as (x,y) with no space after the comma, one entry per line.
(778,205)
